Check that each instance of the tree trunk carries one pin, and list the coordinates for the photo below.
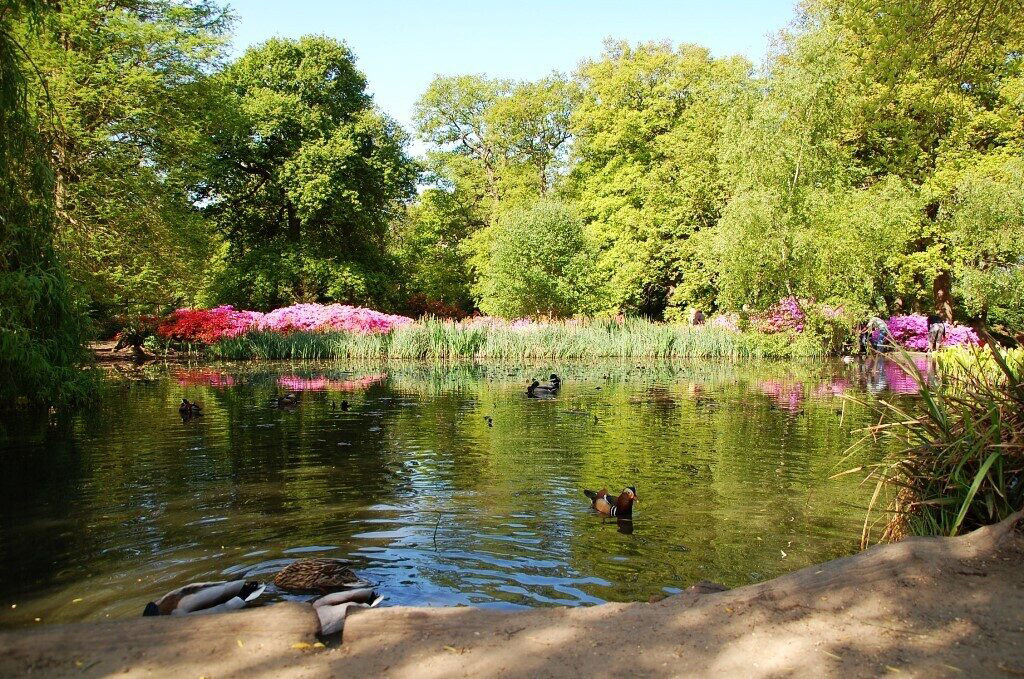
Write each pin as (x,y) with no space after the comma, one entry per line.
(294,226)
(943,297)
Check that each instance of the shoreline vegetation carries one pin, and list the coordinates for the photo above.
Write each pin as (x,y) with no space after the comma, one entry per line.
(957,461)
(446,340)
(789,329)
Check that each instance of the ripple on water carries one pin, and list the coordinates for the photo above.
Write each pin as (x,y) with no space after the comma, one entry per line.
(731,462)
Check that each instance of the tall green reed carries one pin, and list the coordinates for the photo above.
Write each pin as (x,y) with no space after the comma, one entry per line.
(436,339)
(958,459)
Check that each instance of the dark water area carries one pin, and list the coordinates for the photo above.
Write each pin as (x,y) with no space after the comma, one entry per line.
(108,508)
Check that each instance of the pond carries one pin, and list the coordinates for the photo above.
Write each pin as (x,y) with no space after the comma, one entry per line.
(106,509)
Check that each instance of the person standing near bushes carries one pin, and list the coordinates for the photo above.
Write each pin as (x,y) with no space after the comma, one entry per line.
(936,332)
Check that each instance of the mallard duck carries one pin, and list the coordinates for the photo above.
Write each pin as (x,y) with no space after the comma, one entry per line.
(285,401)
(331,610)
(621,506)
(189,408)
(536,389)
(318,575)
(206,597)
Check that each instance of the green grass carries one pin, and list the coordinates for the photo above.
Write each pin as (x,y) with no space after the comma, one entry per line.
(446,340)
(958,460)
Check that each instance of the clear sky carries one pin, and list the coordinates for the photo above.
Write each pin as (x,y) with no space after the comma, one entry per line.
(402,44)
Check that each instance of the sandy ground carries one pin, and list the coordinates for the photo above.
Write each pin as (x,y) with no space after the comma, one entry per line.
(925,607)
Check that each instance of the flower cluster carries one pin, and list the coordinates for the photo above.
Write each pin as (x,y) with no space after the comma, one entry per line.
(330,317)
(210,325)
(207,325)
(727,321)
(781,317)
(912,332)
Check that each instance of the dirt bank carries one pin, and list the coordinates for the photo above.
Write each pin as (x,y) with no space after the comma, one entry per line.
(923,607)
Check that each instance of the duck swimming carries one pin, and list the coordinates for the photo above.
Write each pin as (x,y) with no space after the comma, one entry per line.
(189,408)
(206,597)
(536,389)
(285,401)
(318,575)
(622,506)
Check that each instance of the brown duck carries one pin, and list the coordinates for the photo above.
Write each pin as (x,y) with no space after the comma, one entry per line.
(318,575)
(622,506)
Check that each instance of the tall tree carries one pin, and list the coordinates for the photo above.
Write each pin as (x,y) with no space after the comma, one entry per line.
(308,176)
(129,87)
(647,170)
(41,330)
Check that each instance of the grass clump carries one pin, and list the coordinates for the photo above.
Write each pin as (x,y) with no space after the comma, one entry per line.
(959,462)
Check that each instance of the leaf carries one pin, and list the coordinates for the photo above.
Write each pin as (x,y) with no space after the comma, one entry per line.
(973,490)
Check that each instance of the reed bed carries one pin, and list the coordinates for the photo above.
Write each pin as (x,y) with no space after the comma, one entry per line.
(447,340)
(958,462)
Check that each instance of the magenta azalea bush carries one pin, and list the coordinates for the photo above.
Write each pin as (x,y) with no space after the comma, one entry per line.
(329,317)
(223,322)
(912,332)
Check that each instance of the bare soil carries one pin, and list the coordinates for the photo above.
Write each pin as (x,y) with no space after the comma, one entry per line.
(923,607)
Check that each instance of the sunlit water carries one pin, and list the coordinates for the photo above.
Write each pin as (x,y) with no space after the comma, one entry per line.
(105,510)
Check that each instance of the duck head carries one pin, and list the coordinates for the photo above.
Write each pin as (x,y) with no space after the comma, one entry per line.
(555,380)
(625,501)
(151,609)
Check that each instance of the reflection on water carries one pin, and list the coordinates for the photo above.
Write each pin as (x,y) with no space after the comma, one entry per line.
(108,509)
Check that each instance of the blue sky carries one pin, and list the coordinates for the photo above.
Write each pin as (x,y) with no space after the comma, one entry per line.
(402,44)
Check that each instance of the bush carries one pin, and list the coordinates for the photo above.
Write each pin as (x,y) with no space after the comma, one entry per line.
(959,463)
(535,261)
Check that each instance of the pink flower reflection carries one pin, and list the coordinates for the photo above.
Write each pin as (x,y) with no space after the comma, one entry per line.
(297,383)
(786,395)
(206,378)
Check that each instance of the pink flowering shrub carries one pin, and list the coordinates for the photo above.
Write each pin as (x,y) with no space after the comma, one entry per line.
(912,332)
(330,317)
(781,317)
(223,322)
(728,321)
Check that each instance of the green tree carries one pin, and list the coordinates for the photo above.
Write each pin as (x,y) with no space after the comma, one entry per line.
(535,261)
(647,172)
(129,87)
(309,175)
(41,329)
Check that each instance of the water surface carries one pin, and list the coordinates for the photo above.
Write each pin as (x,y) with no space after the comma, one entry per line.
(104,510)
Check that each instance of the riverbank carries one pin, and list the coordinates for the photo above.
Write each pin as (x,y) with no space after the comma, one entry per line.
(936,607)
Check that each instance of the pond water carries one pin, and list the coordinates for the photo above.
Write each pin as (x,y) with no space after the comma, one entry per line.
(106,509)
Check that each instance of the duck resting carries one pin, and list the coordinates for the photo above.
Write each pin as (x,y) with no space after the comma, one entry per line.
(206,597)
(331,610)
(318,575)
(621,506)
(536,389)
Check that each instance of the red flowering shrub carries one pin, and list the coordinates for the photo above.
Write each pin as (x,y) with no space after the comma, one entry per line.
(207,325)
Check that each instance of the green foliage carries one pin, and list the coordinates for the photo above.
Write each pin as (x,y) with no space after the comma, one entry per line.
(959,463)
(535,261)
(648,175)
(308,176)
(426,243)
(41,327)
(126,113)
